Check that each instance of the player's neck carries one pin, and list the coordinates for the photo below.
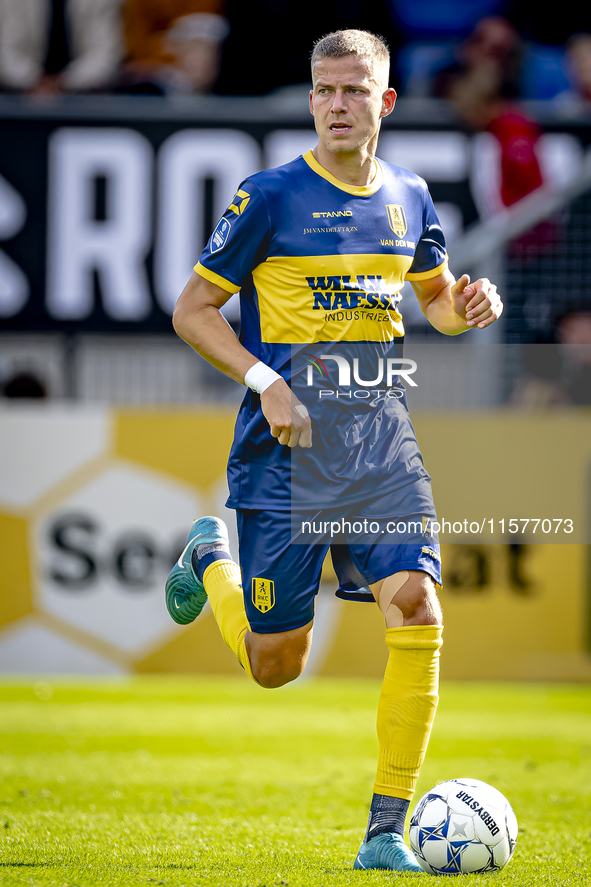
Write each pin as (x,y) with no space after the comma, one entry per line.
(356,168)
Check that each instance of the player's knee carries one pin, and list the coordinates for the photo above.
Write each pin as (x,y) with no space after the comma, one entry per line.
(419,602)
(274,671)
(278,663)
(408,598)
(277,659)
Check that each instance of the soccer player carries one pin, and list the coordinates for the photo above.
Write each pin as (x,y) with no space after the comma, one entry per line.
(319,250)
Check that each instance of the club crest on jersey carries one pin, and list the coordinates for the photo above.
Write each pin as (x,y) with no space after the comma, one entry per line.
(263,594)
(220,235)
(396,219)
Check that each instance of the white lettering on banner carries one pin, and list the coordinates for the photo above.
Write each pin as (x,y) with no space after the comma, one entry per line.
(116,247)
(79,243)
(439,156)
(14,286)
(284,145)
(185,161)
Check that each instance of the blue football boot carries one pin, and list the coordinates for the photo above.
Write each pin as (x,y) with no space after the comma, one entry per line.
(184,593)
(387,851)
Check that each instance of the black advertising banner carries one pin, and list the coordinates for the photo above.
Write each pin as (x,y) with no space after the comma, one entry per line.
(106,204)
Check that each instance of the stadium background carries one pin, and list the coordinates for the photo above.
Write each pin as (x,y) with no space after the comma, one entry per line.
(114,435)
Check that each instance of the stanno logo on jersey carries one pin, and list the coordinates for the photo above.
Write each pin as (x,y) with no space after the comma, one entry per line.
(239,202)
(396,219)
(263,594)
(338,214)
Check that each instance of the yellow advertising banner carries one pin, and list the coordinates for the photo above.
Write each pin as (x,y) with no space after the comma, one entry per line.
(95,505)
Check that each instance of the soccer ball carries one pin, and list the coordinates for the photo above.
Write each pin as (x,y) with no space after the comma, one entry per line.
(461,826)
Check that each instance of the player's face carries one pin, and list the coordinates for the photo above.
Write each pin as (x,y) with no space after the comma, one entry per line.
(348,102)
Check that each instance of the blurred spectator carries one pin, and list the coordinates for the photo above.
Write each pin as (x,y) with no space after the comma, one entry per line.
(574,333)
(173,46)
(437,19)
(540,385)
(578,69)
(517,136)
(24,384)
(53,46)
(558,374)
(433,31)
(491,56)
(482,85)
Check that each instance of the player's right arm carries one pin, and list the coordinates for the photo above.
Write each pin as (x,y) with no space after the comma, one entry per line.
(197,319)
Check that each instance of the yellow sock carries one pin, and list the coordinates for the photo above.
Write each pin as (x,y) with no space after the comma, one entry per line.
(223,584)
(407,706)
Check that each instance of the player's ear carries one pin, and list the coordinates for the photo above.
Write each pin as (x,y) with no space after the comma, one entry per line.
(311,101)
(388,101)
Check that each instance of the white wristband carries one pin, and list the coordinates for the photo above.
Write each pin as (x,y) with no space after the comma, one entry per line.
(259,377)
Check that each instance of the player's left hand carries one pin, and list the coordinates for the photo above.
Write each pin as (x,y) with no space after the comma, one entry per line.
(478,303)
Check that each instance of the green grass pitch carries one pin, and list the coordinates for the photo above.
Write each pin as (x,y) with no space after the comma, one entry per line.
(215,781)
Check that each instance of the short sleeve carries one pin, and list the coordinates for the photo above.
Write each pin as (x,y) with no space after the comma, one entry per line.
(239,241)
(430,257)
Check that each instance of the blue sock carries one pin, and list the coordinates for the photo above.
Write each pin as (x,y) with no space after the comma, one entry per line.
(206,554)
(386,815)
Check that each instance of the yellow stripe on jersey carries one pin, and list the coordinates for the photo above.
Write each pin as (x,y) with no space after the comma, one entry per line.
(358,190)
(227,285)
(427,275)
(346,298)
(307,299)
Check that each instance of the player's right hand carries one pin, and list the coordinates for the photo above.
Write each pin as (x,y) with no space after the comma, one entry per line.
(288,418)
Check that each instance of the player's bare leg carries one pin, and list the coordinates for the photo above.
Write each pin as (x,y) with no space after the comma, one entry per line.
(408,601)
(276,659)
(205,570)
(408,598)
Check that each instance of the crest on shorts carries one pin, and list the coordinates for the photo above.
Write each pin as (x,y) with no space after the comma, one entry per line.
(397,219)
(263,594)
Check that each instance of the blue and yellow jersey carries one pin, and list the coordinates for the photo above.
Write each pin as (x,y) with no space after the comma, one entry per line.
(316,261)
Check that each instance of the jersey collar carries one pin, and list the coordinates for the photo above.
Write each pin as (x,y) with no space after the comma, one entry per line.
(358,190)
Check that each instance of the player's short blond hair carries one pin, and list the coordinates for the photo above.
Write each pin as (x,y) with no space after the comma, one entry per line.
(363,44)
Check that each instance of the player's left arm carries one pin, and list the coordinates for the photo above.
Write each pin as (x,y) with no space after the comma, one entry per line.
(454,306)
